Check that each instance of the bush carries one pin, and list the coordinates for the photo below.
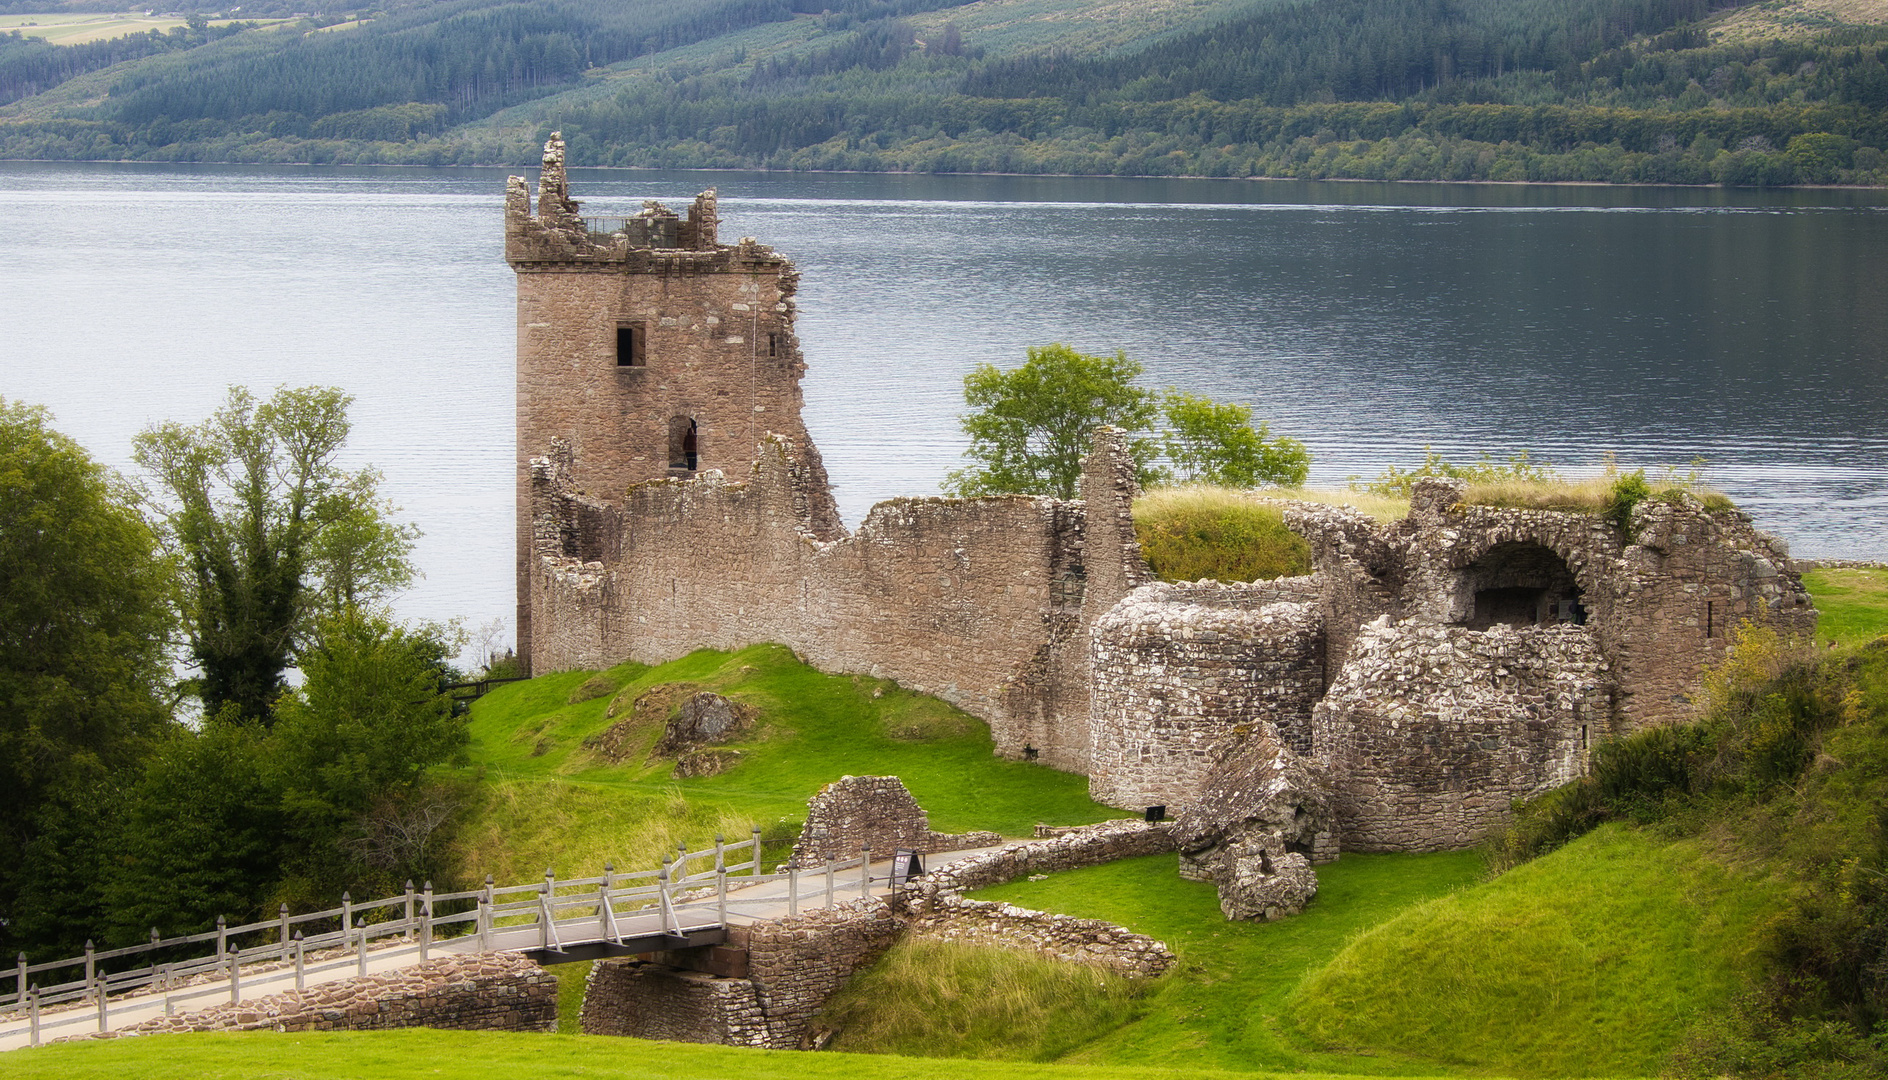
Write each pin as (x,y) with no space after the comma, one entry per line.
(1194,533)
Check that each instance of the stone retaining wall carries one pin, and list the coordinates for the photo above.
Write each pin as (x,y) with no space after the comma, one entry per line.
(477,992)
(793,966)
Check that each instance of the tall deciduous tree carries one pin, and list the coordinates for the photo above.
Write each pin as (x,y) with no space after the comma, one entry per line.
(84,620)
(1031,427)
(269,531)
(1212,442)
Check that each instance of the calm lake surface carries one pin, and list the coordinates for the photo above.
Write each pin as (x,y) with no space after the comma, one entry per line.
(1369,320)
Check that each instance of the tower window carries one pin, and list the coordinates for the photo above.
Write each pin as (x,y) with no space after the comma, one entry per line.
(773,344)
(632,345)
(682,445)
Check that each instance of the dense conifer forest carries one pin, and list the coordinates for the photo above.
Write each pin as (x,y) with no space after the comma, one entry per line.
(1635,91)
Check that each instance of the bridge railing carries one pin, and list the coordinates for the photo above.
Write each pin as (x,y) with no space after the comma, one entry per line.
(156,966)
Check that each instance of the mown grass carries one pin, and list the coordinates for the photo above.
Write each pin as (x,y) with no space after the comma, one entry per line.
(1853,604)
(549,801)
(1219,1007)
(1591,961)
(480,1055)
(1194,533)
(931,998)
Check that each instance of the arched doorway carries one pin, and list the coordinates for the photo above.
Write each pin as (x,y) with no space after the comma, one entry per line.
(683,448)
(1520,584)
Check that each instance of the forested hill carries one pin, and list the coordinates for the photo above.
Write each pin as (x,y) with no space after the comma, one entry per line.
(1663,91)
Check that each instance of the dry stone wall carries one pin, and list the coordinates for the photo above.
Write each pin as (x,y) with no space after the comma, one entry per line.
(1182,672)
(1060,937)
(655,1001)
(857,812)
(1431,731)
(477,992)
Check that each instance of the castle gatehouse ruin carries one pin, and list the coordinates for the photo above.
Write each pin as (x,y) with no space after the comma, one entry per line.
(1428,672)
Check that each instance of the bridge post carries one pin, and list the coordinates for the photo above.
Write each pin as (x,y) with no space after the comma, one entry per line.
(360,949)
(544,909)
(865,872)
(409,906)
(347,916)
(235,977)
(300,959)
(20,986)
(721,862)
(756,850)
(33,1022)
(170,983)
(98,988)
(154,941)
(284,933)
(662,896)
(222,936)
(426,923)
(90,964)
(485,916)
(606,917)
(721,896)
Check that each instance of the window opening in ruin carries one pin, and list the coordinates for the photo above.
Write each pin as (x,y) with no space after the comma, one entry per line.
(1710,611)
(632,347)
(1029,753)
(773,345)
(1520,584)
(683,449)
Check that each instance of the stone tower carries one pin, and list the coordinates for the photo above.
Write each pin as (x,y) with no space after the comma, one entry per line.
(649,348)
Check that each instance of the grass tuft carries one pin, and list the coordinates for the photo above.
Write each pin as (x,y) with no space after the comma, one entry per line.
(1194,533)
(930,998)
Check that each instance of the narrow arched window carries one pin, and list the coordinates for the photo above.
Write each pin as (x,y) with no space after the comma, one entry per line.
(684,450)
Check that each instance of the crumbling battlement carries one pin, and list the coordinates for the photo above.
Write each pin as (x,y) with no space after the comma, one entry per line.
(983,602)
(1183,673)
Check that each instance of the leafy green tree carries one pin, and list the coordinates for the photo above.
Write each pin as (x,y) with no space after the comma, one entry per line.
(270,531)
(1213,443)
(84,619)
(1031,427)
(355,740)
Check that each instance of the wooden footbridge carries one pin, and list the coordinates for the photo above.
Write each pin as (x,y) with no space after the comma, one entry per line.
(689,901)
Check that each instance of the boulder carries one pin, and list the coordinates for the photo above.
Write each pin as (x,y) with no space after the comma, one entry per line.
(1263,818)
(703,720)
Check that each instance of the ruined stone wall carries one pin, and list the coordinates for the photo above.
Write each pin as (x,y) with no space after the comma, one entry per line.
(876,812)
(713,327)
(1660,597)
(1182,671)
(1431,731)
(1060,937)
(1087,845)
(477,992)
(972,600)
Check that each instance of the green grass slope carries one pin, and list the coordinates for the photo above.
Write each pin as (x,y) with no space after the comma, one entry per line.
(1592,961)
(549,800)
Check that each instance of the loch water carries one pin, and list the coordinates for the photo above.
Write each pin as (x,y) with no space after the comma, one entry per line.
(1662,326)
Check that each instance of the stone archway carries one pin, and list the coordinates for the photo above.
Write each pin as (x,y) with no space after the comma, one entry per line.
(1519,583)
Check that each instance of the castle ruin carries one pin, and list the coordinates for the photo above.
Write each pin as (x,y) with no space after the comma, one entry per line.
(1429,671)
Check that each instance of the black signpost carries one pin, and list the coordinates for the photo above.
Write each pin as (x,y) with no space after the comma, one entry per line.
(905,866)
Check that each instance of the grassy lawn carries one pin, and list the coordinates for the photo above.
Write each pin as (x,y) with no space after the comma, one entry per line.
(1854,604)
(479,1055)
(548,800)
(1219,1008)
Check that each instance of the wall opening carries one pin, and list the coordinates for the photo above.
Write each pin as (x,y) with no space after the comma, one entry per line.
(632,345)
(773,344)
(684,449)
(1521,584)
